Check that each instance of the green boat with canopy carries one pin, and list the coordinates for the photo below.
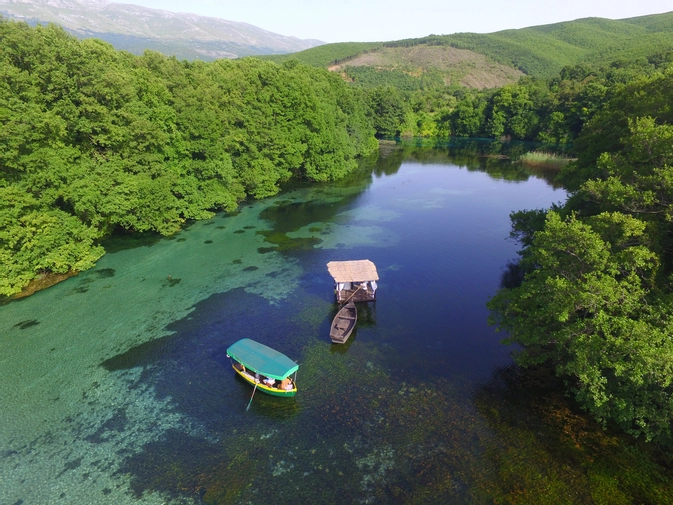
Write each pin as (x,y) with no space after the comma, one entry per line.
(263,367)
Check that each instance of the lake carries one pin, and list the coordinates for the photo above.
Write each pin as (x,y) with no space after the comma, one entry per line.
(115,386)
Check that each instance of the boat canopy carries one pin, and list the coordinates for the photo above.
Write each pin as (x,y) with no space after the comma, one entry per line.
(262,359)
(353,271)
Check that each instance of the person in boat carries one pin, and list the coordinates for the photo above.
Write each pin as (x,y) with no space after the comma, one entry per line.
(286,384)
(269,381)
(239,367)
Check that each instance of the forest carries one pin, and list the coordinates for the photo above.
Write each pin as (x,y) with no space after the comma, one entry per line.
(550,111)
(95,141)
(592,293)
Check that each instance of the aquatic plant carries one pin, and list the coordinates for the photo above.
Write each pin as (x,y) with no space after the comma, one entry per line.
(542,159)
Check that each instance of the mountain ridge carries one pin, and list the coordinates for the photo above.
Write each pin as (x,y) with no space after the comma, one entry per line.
(135,28)
(539,51)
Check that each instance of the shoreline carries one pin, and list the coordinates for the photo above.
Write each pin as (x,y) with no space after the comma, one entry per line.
(42,281)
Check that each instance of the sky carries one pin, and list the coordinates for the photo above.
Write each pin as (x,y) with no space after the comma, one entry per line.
(384,20)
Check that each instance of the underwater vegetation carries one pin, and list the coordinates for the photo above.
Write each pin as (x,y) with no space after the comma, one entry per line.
(363,432)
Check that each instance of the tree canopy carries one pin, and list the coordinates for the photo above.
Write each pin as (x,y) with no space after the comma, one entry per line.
(93,139)
(596,299)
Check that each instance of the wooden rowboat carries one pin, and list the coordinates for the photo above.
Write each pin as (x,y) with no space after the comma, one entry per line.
(263,367)
(343,323)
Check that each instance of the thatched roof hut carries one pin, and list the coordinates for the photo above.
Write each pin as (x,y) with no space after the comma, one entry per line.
(353,271)
(354,280)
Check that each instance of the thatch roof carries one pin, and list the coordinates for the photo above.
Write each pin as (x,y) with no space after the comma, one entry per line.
(353,271)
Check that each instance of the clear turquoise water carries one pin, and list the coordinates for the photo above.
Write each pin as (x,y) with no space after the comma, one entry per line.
(115,386)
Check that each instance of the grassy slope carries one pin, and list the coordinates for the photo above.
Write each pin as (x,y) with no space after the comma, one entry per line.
(453,66)
(540,50)
(544,50)
(328,54)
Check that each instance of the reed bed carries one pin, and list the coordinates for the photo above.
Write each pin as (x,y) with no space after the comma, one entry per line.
(541,159)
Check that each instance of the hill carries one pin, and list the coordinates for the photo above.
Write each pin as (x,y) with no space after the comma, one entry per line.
(540,51)
(134,28)
(407,66)
(443,65)
(543,50)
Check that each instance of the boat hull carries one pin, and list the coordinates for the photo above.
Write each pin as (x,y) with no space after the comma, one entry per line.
(263,387)
(343,323)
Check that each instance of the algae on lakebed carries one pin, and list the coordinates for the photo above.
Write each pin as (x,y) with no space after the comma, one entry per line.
(115,386)
(545,450)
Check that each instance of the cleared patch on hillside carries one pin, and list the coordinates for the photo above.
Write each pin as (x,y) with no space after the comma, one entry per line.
(457,66)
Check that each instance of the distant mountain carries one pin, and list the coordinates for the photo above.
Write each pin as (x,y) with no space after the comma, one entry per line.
(134,28)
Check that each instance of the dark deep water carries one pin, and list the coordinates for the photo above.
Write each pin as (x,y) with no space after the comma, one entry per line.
(115,386)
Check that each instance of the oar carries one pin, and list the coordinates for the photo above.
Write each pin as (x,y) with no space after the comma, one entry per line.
(351,296)
(253,395)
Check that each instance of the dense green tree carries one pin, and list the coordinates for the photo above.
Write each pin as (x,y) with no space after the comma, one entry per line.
(388,110)
(96,139)
(511,113)
(467,119)
(644,96)
(596,298)
(586,307)
(34,241)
